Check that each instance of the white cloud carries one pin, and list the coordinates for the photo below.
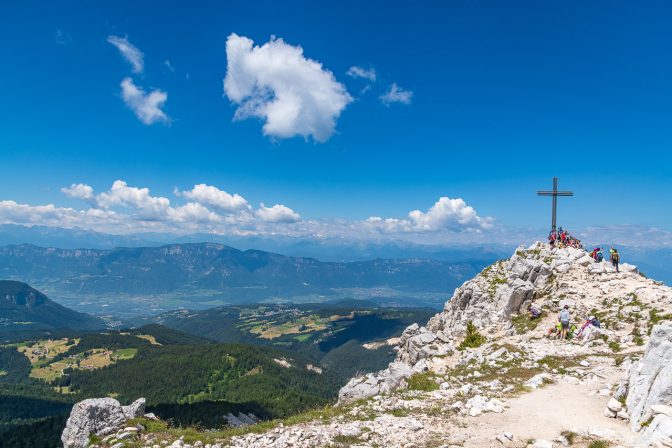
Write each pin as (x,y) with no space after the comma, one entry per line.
(219,199)
(445,215)
(359,72)
(168,65)
(130,52)
(79,191)
(277,213)
(275,82)
(396,94)
(148,207)
(193,212)
(147,106)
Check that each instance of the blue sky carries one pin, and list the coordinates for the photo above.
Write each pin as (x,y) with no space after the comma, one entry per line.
(500,97)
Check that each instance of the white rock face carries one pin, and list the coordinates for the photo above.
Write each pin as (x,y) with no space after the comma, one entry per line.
(650,389)
(651,378)
(98,416)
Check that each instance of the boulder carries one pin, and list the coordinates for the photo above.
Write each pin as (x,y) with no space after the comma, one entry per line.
(538,380)
(98,416)
(650,380)
(614,406)
(598,268)
(375,383)
(135,409)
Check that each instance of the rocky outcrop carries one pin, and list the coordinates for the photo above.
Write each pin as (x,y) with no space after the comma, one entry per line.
(99,416)
(375,383)
(649,398)
(488,301)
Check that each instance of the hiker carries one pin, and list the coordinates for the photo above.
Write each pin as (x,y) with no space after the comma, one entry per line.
(563,317)
(551,238)
(599,256)
(590,329)
(592,320)
(615,258)
(554,331)
(593,254)
(534,312)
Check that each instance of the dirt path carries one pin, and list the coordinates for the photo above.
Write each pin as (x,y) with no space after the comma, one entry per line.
(544,413)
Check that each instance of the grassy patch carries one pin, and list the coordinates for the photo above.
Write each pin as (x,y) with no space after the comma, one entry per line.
(423,381)
(125,353)
(345,441)
(399,412)
(522,323)
(654,318)
(473,338)
(599,444)
(614,346)
(570,436)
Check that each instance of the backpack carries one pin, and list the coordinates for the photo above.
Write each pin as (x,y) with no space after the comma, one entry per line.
(600,257)
(615,257)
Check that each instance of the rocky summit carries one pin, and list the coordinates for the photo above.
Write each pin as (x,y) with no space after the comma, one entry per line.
(485,373)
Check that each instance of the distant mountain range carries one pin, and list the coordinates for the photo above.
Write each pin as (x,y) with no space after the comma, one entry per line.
(324,249)
(148,280)
(25,311)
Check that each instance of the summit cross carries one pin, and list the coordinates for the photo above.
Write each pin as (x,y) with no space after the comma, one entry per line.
(555,193)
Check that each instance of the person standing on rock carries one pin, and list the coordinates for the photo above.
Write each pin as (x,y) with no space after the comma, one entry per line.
(615,258)
(563,317)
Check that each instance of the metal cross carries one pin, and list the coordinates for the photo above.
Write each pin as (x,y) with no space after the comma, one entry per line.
(555,193)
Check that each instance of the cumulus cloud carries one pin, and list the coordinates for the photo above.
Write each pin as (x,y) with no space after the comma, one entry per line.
(125,208)
(147,206)
(213,196)
(130,52)
(446,214)
(79,191)
(277,213)
(276,83)
(147,106)
(359,72)
(193,212)
(396,94)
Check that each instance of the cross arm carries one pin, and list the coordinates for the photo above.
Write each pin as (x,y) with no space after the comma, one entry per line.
(555,193)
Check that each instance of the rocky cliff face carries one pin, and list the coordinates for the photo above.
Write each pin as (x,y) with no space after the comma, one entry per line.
(503,382)
(488,301)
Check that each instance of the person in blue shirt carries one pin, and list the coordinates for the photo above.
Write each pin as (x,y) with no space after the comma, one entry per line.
(563,317)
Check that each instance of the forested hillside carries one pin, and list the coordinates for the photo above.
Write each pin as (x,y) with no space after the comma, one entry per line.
(26,312)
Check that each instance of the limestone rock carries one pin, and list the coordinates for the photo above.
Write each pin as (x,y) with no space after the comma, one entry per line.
(375,383)
(538,380)
(135,409)
(651,378)
(98,416)
(614,405)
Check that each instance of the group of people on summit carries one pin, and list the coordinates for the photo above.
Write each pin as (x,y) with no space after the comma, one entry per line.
(565,329)
(562,238)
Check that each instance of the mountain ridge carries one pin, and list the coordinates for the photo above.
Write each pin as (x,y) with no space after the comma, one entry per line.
(25,310)
(206,274)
